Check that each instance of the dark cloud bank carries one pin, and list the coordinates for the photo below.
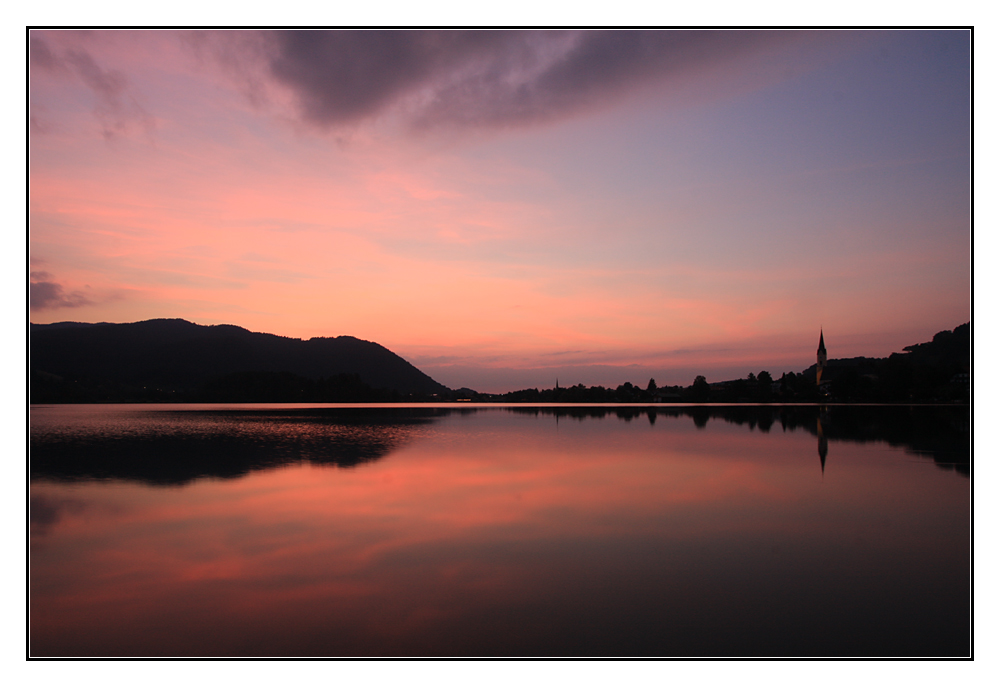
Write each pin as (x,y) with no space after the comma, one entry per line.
(485,78)
(44,294)
(426,79)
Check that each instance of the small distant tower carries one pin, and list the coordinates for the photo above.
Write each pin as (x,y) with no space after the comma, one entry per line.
(820,358)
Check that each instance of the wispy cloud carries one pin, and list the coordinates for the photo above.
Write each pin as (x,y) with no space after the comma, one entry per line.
(116,107)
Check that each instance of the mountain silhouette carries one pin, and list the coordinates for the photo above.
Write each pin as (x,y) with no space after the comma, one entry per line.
(173,359)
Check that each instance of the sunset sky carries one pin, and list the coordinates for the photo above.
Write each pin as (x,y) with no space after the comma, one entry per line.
(505,208)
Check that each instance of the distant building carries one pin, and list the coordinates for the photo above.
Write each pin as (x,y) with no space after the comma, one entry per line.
(820,358)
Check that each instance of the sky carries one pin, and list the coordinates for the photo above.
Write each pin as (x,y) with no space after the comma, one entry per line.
(504,209)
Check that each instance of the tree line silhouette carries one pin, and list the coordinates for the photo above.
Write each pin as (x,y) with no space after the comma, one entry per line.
(934,372)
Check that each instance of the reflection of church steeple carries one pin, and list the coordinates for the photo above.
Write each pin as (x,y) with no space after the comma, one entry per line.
(822,446)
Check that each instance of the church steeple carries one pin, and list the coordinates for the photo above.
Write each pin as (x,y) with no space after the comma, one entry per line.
(820,357)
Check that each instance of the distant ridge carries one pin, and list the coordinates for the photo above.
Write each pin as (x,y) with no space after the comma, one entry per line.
(180,357)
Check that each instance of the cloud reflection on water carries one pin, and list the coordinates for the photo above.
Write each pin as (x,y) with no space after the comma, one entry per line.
(505,533)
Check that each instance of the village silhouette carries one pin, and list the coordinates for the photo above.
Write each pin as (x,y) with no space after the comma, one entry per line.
(932,372)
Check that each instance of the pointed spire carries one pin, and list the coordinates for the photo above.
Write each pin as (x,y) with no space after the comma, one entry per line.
(820,358)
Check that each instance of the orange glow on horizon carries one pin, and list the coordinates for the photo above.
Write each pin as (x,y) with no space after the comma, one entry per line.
(720,210)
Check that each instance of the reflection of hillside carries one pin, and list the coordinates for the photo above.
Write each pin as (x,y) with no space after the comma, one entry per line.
(938,432)
(176,447)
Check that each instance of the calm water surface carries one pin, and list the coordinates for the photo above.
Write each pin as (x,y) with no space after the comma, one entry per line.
(345,531)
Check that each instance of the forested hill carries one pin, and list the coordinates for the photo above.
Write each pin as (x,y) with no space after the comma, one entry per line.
(175,359)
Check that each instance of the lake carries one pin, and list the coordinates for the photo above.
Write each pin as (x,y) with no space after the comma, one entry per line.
(333,530)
